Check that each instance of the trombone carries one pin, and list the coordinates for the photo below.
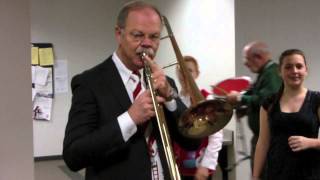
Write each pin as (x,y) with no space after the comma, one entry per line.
(163,129)
(201,120)
(204,117)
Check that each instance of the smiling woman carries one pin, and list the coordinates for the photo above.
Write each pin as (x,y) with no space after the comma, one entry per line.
(293,68)
(289,125)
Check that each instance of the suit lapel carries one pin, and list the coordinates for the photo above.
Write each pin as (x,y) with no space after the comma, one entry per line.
(113,79)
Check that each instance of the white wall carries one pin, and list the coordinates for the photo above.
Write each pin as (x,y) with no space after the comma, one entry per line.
(283,24)
(16,159)
(204,30)
(82,32)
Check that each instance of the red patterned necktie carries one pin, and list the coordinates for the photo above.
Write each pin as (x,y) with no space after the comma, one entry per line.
(135,94)
(138,87)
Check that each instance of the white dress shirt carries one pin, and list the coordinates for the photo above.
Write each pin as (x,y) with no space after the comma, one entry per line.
(127,125)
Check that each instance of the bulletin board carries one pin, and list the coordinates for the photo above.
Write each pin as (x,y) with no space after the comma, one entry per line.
(42,67)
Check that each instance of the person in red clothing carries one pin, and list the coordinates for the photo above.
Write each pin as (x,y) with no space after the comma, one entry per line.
(201,163)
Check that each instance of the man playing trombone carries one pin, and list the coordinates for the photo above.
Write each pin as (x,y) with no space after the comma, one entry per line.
(111,131)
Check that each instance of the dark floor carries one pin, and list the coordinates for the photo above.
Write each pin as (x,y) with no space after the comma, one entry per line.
(57,170)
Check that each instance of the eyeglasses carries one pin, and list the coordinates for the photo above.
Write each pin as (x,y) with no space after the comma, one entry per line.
(139,36)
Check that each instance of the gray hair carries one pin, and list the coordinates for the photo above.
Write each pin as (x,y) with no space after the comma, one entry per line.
(258,48)
(130,6)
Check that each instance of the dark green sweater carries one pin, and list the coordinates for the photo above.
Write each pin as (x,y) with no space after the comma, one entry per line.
(268,82)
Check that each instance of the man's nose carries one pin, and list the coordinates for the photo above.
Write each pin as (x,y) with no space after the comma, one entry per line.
(146,42)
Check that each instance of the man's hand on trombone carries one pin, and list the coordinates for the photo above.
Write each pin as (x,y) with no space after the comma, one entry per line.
(160,82)
(142,108)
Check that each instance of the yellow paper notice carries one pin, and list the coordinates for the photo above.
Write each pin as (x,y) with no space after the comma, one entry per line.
(34,55)
(46,56)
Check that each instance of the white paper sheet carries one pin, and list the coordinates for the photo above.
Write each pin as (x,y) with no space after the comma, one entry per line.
(42,108)
(41,75)
(34,93)
(61,76)
(47,88)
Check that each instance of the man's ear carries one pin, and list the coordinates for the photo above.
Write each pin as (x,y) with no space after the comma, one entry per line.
(118,31)
(258,56)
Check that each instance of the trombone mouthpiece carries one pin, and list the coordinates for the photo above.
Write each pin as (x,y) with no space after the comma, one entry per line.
(143,55)
(143,52)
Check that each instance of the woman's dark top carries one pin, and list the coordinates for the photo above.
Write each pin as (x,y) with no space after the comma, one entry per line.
(282,163)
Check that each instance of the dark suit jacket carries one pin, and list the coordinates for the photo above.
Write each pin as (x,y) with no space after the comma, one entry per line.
(93,138)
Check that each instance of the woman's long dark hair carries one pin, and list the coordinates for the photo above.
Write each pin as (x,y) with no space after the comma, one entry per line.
(284,54)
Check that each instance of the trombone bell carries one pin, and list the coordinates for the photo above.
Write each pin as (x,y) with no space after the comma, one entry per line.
(205,118)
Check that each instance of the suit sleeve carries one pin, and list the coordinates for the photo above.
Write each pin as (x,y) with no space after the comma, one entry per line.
(180,106)
(86,142)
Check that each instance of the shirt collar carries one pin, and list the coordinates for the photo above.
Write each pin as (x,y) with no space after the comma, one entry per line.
(125,73)
(268,64)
